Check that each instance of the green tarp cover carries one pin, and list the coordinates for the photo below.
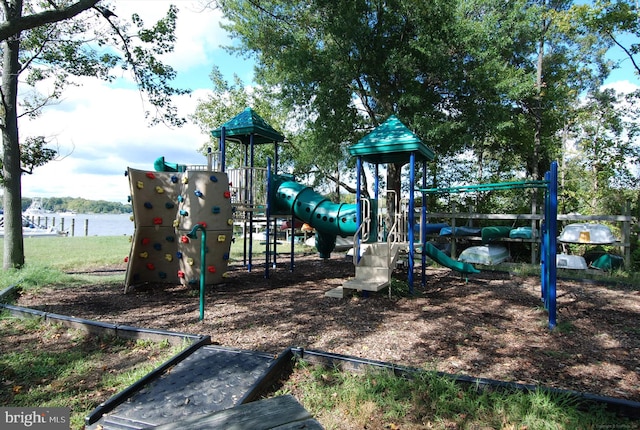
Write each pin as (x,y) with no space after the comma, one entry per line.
(608,262)
(491,233)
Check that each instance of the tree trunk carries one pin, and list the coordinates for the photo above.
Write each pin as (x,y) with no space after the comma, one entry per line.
(13,241)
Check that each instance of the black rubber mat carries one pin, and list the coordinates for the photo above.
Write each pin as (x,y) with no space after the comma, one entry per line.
(209,380)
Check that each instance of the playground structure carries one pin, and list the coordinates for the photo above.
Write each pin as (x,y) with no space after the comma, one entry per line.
(248,196)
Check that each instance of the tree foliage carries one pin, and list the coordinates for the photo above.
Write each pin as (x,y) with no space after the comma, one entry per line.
(53,42)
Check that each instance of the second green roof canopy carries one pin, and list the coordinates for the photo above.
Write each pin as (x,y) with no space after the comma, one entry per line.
(391,142)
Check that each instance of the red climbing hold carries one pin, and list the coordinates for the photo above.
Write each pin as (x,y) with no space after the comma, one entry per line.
(126,259)
(146,241)
(151,175)
(203,224)
(181,274)
(211,269)
(227,195)
(157,221)
(150,266)
(184,239)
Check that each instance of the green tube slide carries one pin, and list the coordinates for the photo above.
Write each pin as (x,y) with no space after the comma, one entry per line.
(328,218)
(444,260)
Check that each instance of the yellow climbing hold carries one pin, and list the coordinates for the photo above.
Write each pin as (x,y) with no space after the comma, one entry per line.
(144,254)
(176,223)
(222,238)
(159,190)
(230,221)
(140,185)
(168,257)
(185,180)
(190,261)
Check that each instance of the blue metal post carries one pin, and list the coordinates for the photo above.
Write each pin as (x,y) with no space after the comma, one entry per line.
(423,223)
(412,221)
(223,136)
(552,226)
(359,207)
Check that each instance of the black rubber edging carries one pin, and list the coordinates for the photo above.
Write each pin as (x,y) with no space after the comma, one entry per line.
(282,365)
(117,399)
(621,407)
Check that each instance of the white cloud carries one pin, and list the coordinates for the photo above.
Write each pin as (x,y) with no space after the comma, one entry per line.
(100,128)
(102,131)
(624,87)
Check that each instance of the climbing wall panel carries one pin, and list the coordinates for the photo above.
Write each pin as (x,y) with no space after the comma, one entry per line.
(166,208)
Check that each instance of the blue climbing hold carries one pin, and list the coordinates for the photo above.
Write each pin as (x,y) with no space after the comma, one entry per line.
(183,212)
(157,246)
(169,205)
(198,193)
(180,199)
(148,205)
(213,178)
(170,239)
(215,209)
(174,179)
(178,254)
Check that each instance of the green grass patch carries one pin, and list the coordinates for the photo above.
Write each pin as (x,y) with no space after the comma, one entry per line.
(50,365)
(342,399)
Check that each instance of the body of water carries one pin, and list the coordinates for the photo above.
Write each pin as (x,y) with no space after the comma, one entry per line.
(96,224)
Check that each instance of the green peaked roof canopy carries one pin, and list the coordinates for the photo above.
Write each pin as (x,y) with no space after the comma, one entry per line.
(246,123)
(391,142)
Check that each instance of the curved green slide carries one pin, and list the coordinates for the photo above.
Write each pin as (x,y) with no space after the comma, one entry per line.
(328,218)
(444,260)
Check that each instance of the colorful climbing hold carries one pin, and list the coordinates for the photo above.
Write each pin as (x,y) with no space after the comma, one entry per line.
(174,179)
(198,193)
(230,221)
(151,266)
(227,195)
(146,241)
(168,257)
(213,178)
(159,190)
(148,205)
(126,259)
(190,261)
(183,212)
(169,205)
(162,275)
(225,256)
(175,223)
(157,246)
(178,255)
(180,199)
(181,274)
(157,221)
(185,180)
(203,224)
(144,254)
(150,175)
(184,239)
(222,238)
(215,209)
(170,239)
(211,269)
(140,185)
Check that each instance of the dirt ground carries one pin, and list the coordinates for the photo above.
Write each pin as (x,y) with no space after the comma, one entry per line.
(492,325)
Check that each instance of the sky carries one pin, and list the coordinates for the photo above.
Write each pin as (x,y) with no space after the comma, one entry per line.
(99,129)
